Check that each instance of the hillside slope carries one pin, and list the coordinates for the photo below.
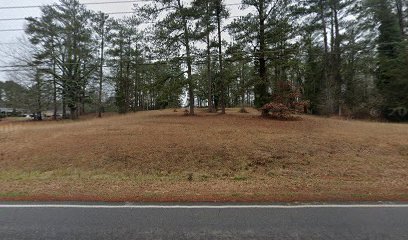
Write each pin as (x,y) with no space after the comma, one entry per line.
(165,156)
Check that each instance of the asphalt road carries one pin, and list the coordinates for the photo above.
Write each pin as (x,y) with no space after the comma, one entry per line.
(42,221)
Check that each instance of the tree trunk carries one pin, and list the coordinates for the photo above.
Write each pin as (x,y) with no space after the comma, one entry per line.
(210,99)
(190,80)
(189,66)
(400,15)
(242,86)
(39,100)
(326,46)
(337,58)
(74,113)
(261,87)
(220,57)
(54,88)
(136,85)
(82,100)
(101,65)
(64,100)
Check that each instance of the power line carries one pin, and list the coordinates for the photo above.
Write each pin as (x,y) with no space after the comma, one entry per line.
(96,3)
(23,18)
(11,19)
(113,13)
(12,30)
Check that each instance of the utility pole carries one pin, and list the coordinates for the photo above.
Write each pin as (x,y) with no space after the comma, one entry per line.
(101,64)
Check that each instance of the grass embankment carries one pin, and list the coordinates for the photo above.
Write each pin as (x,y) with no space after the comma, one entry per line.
(165,156)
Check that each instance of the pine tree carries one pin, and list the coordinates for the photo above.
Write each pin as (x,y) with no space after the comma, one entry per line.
(175,30)
(254,27)
(392,61)
(65,39)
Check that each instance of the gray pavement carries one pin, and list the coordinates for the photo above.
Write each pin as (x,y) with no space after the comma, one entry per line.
(99,222)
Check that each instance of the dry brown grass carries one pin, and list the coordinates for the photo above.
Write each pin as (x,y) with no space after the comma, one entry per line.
(166,156)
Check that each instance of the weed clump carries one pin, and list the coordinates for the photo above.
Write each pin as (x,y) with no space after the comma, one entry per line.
(190,177)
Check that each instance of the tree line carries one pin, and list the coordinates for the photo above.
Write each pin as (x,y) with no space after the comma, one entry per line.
(343,57)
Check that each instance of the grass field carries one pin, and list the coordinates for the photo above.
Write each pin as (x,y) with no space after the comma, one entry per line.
(165,156)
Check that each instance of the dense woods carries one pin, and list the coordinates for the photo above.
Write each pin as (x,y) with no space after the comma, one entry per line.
(336,57)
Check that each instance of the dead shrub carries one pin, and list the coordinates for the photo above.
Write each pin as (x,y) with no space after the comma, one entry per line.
(286,103)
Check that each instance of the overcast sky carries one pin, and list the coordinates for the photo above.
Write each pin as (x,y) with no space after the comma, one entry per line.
(9,39)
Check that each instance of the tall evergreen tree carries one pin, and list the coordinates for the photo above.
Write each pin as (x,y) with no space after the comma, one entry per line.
(205,14)
(252,30)
(173,31)
(65,37)
(392,61)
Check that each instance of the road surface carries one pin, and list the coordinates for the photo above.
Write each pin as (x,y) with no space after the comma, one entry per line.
(99,222)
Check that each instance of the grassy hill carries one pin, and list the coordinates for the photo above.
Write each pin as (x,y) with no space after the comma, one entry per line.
(165,156)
